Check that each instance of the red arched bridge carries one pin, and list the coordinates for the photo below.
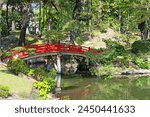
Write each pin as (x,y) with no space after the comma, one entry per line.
(37,50)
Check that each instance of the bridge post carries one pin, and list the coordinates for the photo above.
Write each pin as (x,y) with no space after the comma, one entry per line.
(58,63)
(58,77)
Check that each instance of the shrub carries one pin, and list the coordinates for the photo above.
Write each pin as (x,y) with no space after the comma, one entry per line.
(54,36)
(30,72)
(17,65)
(46,82)
(119,49)
(108,55)
(44,87)
(142,63)
(103,26)
(7,54)
(79,40)
(141,47)
(4,91)
(105,71)
(39,74)
(52,73)
(5,30)
(21,49)
(31,51)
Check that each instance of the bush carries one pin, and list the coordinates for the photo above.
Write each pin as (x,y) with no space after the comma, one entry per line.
(119,49)
(7,54)
(103,26)
(31,51)
(104,72)
(30,72)
(21,49)
(54,36)
(39,74)
(17,65)
(5,30)
(142,63)
(46,82)
(109,55)
(4,91)
(141,47)
(52,73)
(44,87)
(79,40)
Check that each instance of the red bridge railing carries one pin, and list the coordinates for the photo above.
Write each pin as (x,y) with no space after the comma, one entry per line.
(50,48)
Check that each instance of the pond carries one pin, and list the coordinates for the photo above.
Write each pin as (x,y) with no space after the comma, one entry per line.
(77,87)
(80,88)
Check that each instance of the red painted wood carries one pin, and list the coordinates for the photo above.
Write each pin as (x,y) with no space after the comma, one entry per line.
(49,48)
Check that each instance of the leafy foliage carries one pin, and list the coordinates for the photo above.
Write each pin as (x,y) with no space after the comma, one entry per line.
(46,83)
(21,49)
(4,91)
(105,72)
(142,63)
(44,87)
(17,65)
(54,36)
(141,47)
(31,51)
(7,54)
(39,73)
(108,55)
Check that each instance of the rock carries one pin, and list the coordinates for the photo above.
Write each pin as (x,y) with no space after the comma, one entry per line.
(14,96)
(134,72)
(9,42)
(23,75)
(69,67)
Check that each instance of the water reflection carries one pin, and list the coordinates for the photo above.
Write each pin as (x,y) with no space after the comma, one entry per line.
(115,89)
(58,86)
(76,87)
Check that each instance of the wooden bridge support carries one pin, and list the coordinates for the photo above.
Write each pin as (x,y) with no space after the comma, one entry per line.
(58,64)
(58,77)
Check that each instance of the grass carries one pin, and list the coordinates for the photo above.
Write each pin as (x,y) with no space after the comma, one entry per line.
(33,40)
(30,39)
(20,86)
(16,32)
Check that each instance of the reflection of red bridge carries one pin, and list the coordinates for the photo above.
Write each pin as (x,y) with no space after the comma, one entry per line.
(51,49)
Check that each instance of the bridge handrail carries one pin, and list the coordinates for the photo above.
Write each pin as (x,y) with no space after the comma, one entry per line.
(47,48)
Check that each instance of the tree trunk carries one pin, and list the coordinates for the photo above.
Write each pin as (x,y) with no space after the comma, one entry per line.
(7,22)
(40,17)
(90,20)
(24,24)
(77,9)
(127,24)
(100,6)
(1,4)
(13,22)
(43,23)
(49,17)
(72,37)
(143,29)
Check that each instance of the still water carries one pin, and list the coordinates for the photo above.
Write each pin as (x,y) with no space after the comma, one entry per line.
(78,88)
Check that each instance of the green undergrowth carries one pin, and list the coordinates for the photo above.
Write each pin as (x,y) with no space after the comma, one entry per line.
(116,58)
(16,84)
(44,80)
(4,91)
(141,47)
